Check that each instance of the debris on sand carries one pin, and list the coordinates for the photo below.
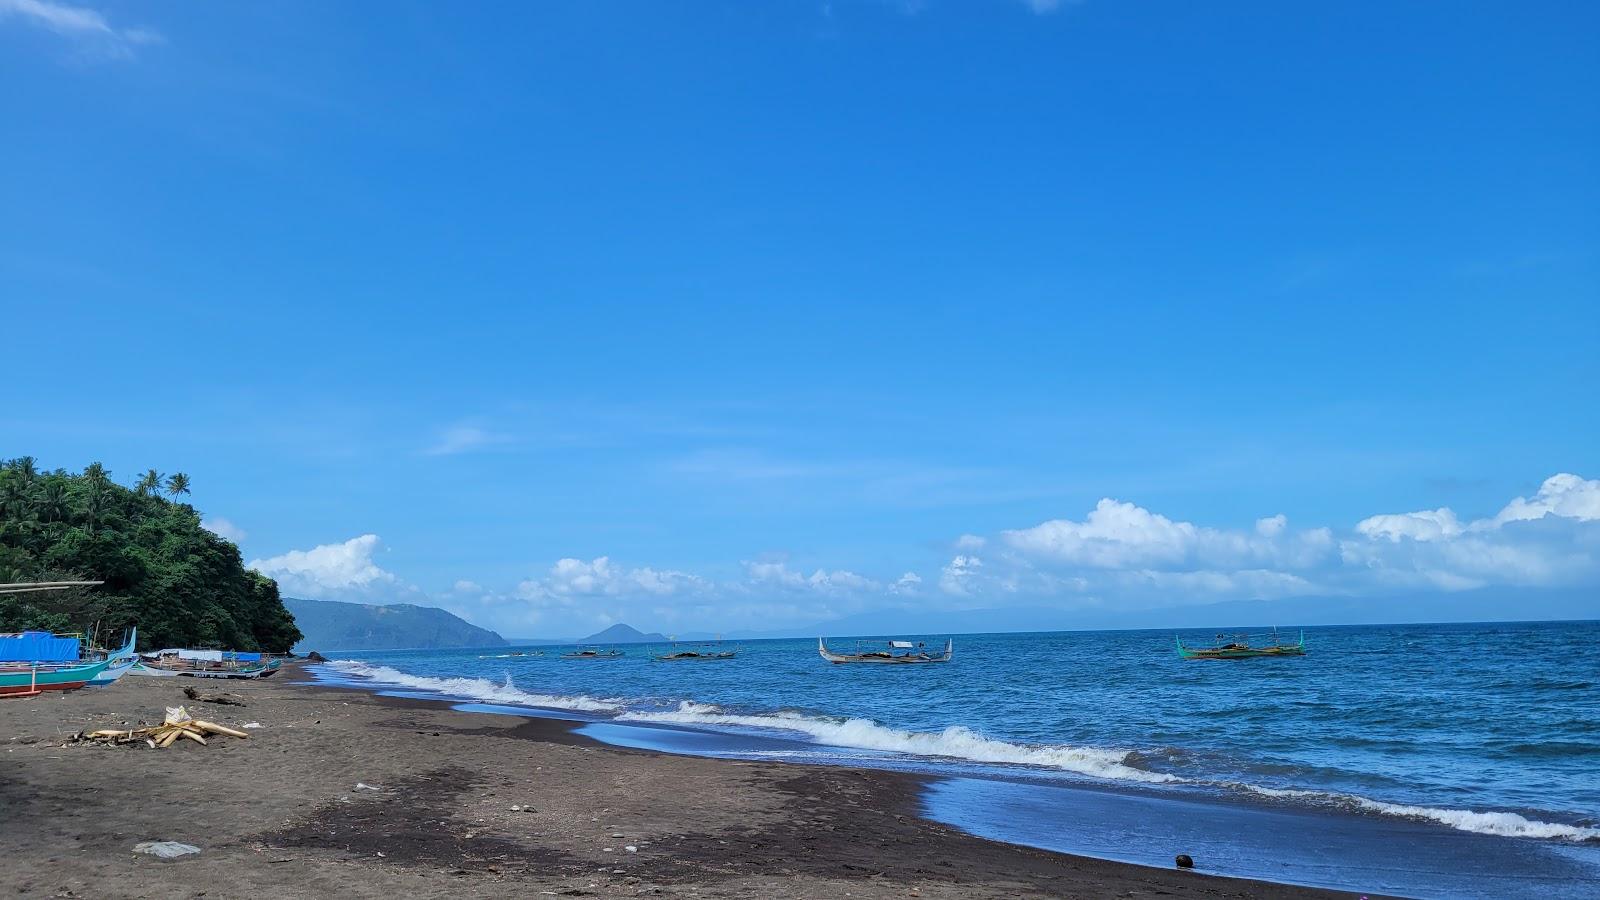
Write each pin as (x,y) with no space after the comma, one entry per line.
(165,849)
(178,724)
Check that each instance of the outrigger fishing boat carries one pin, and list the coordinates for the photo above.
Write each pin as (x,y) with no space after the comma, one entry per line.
(173,662)
(890,652)
(33,662)
(1239,648)
(30,679)
(118,662)
(592,653)
(703,652)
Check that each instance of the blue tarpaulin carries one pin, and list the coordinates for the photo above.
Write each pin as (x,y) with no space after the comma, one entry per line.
(245,657)
(38,646)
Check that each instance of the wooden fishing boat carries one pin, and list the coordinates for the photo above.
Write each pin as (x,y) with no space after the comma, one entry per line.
(1240,648)
(206,664)
(592,653)
(888,652)
(704,652)
(118,662)
(140,667)
(29,679)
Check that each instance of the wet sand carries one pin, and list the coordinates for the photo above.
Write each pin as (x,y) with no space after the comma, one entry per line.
(472,804)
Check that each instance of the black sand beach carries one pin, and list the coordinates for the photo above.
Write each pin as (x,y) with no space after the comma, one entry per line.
(344,793)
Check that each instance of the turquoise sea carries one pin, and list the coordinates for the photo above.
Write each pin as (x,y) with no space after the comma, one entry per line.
(1429,760)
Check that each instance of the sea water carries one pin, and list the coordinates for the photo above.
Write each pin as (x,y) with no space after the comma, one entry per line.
(1487,730)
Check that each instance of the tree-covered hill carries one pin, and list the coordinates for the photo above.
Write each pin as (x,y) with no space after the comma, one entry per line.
(182,585)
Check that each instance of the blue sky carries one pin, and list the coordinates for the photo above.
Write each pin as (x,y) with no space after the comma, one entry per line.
(727,315)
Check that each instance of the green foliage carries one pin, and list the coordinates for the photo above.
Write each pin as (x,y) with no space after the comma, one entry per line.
(182,585)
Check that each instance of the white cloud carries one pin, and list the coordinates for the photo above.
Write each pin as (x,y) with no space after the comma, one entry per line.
(956,576)
(331,570)
(1551,539)
(971,542)
(1426,525)
(778,574)
(225,529)
(87,26)
(909,583)
(573,578)
(466,587)
(1120,535)
(461,439)
(1564,495)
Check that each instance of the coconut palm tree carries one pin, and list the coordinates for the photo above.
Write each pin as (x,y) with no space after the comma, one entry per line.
(149,484)
(177,484)
(13,499)
(94,505)
(26,469)
(97,474)
(53,505)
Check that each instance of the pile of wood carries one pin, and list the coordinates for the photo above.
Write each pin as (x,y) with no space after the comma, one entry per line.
(178,724)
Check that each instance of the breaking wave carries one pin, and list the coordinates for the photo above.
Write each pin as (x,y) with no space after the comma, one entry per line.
(954,742)
(474,688)
(1503,824)
(960,743)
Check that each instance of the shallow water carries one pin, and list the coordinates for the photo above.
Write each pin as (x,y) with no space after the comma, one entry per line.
(1468,729)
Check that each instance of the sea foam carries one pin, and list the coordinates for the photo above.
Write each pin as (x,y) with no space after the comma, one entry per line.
(1503,824)
(955,742)
(474,688)
(958,742)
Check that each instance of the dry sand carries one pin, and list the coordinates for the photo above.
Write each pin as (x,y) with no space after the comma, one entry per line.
(470,804)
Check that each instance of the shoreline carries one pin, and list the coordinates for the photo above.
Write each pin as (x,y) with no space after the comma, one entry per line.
(508,803)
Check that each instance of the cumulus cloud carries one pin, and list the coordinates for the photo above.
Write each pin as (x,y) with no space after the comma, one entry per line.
(89,28)
(779,575)
(224,529)
(1551,538)
(1125,551)
(1120,535)
(957,575)
(572,578)
(1565,496)
(330,570)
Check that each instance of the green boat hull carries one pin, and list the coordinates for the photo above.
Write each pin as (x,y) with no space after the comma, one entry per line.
(1241,652)
(22,681)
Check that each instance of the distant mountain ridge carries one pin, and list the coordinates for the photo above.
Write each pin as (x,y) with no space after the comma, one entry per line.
(624,634)
(332,625)
(1479,605)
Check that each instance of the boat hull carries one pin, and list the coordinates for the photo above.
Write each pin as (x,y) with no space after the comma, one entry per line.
(25,681)
(113,671)
(908,659)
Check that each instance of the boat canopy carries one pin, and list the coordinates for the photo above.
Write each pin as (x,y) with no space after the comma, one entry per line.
(38,646)
(202,655)
(901,645)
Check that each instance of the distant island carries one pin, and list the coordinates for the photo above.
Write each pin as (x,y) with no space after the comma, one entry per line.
(332,625)
(624,634)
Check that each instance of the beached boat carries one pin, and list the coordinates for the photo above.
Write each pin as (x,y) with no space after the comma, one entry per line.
(205,664)
(592,653)
(1239,648)
(118,662)
(889,652)
(29,679)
